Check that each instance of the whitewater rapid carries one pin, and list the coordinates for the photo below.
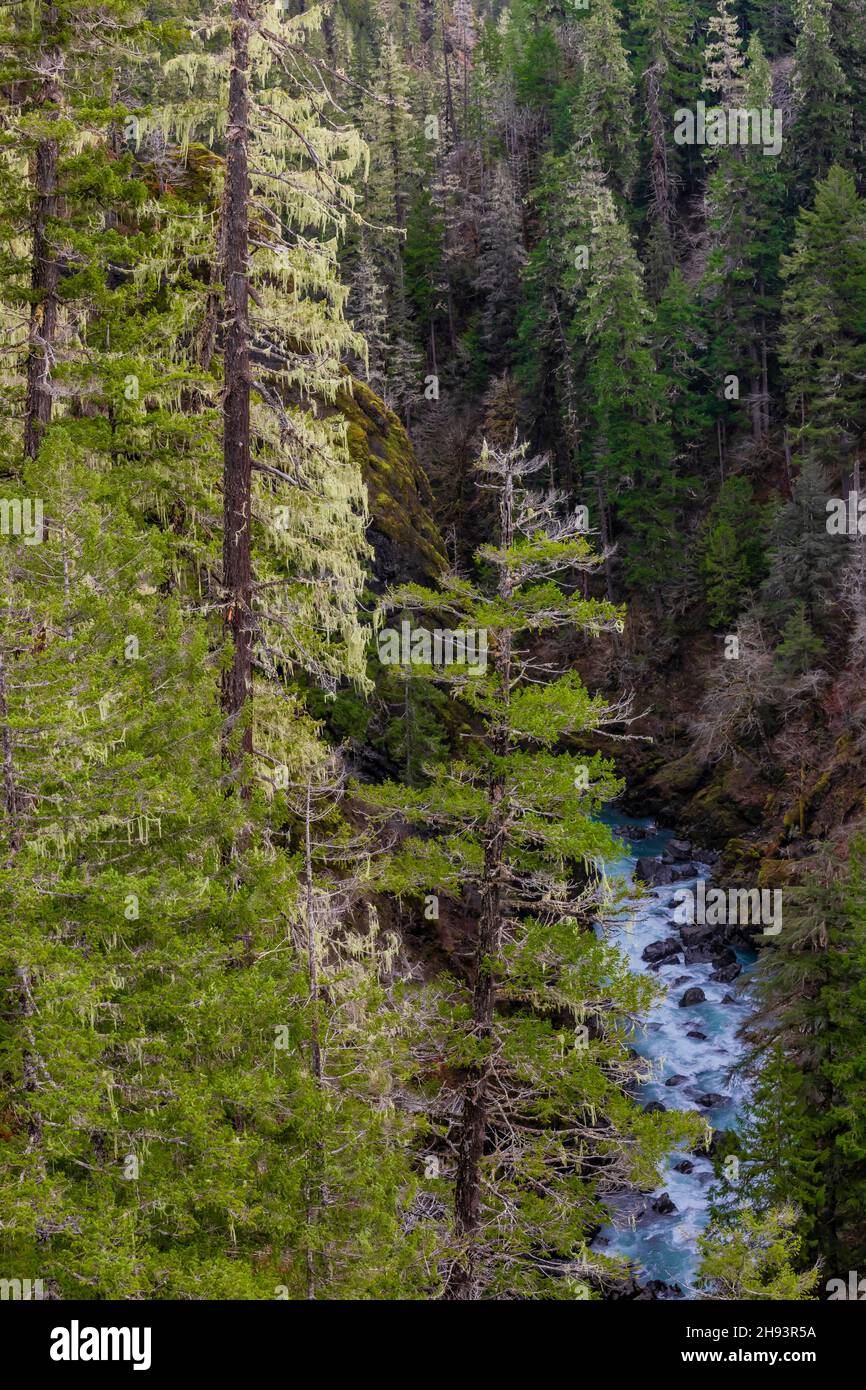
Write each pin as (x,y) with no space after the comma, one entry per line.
(663,1246)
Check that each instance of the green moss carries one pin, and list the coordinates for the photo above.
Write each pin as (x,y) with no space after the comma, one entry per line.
(401,503)
(777,873)
(680,776)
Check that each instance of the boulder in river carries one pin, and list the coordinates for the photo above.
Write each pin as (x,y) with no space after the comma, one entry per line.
(699,955)
(661,950)
(638,832)
(656,873)
(697,1035)
(697,934)
(652,1107)
(676,1080)
(711,951)
(726,973)
(708,1100)
(695,995)
(686,1166)
(663,1204)
(729,999)
(677,850)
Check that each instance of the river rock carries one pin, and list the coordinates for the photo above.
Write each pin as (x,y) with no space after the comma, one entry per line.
(695,995)
(708,1100)
(726,973)
(729,999)
(652,1107)
(682,979)
(699,955)
(661,950)
(685,1167)
(710,951)
(698,934)
(639,832)
(676,1080)
(723,955)
(653,871)
(658,1289)
(663,1204)
(698,1036)
(677,850)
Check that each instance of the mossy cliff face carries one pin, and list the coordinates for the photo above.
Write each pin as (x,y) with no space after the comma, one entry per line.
(405,539)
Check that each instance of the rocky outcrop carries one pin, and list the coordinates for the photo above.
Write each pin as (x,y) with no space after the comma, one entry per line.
(405,539)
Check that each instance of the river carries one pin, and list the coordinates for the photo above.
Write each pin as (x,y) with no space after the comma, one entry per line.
(661,1246)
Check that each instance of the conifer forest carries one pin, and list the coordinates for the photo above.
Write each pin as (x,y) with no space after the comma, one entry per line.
(433,652)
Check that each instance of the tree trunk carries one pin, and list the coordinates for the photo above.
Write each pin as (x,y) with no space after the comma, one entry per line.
(604,527)
(237,473)
(10,793)
(661,206)
(45,272)
(314,1185)
(461,1284)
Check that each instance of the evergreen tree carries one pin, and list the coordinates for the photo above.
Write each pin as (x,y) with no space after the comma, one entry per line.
(603,112)
(757,1259)
(628,445)
(823,337)
(732,555)
(804,1143)
(821,134)
(802,557)
(513,823)
(661,29)
(500,263)
(745,195)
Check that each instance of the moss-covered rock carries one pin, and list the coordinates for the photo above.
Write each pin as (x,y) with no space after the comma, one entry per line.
(779,873)
(677,778)
(730,805)
(406,540)
(741,860)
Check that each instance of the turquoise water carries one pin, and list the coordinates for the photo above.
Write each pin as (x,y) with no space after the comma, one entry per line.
(663,1246)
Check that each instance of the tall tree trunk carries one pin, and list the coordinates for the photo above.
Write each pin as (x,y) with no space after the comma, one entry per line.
(662,204)
(604,527)
(461,1284)
(449,96)
(10,792)
(237,470)
(314,1184)
(45,272)
(756,404)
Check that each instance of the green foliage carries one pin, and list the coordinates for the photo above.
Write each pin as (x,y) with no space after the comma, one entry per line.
(756,1259)
(804,1143)
(520,810)
(799,650)
(823,340)
(732,551)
